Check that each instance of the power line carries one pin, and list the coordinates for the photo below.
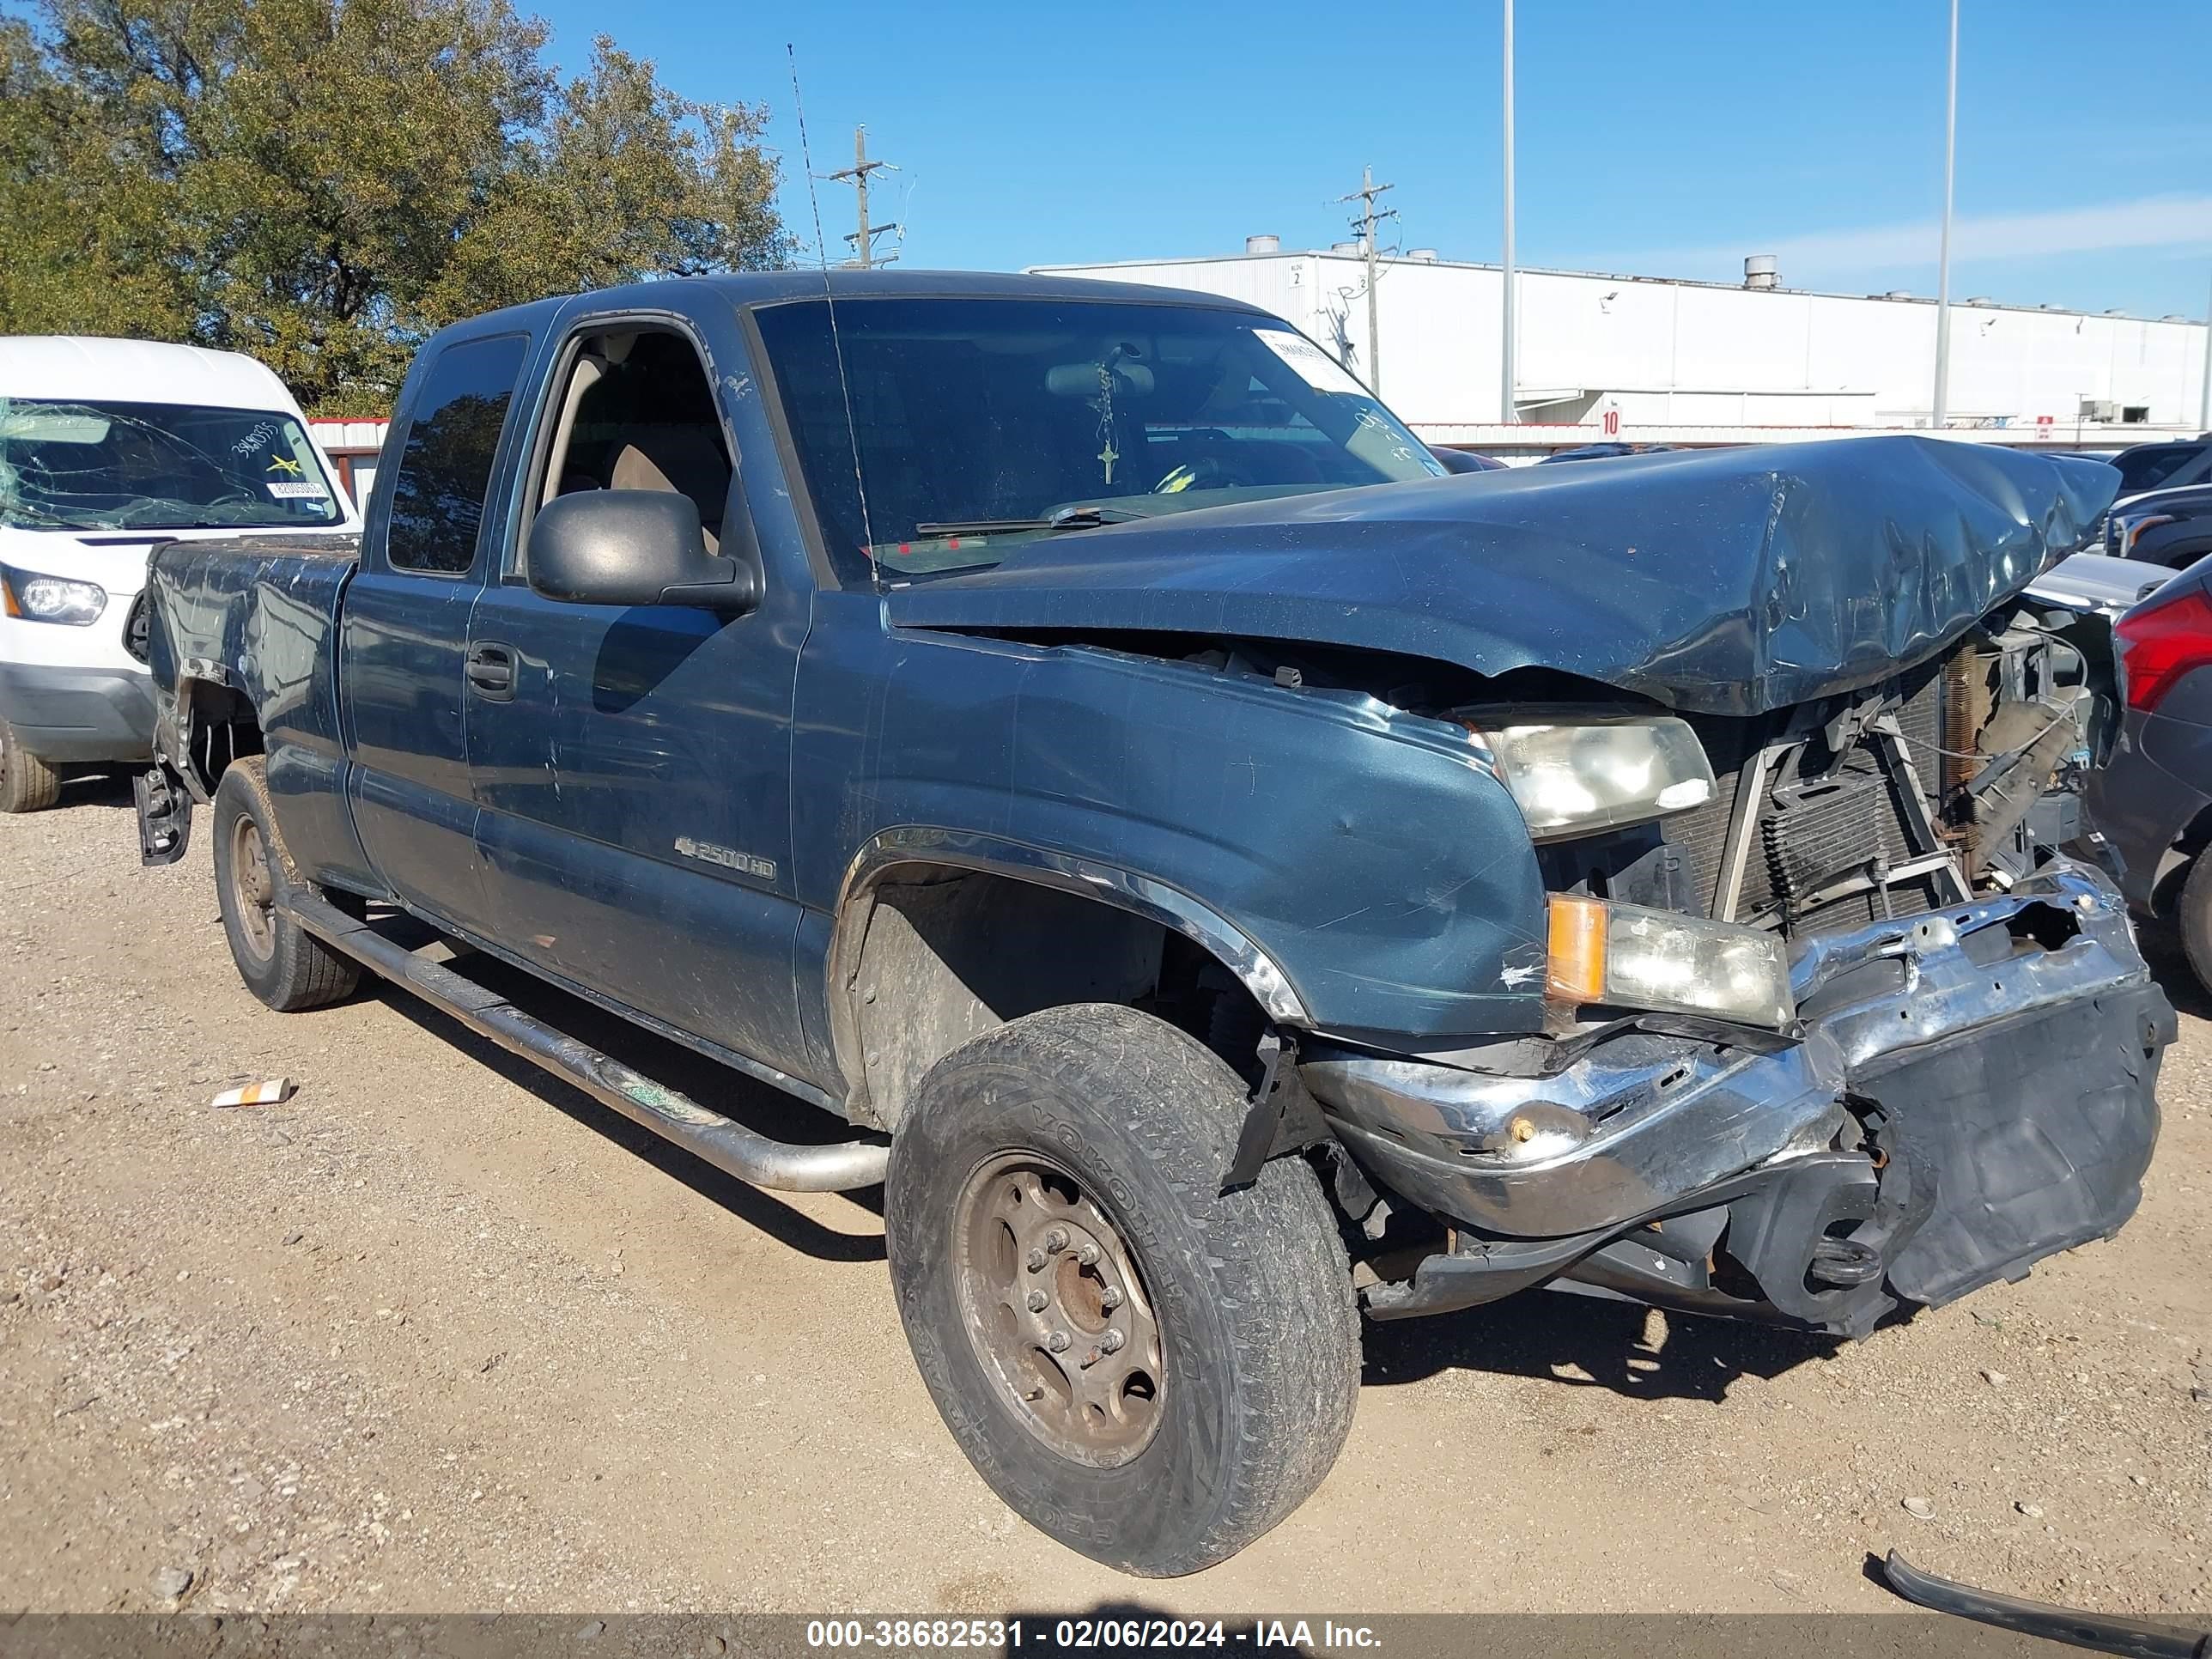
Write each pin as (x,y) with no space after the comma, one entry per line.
(1364,223)
(864,239)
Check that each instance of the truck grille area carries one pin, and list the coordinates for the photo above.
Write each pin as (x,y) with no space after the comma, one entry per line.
(1825,846)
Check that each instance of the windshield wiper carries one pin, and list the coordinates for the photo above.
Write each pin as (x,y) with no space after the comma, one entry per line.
(1068,517)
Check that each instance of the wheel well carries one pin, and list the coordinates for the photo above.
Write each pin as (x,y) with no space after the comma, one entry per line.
(944,954)
(220,726)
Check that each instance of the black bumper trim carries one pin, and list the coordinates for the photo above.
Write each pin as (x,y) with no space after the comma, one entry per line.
(2104,1632)
(67,713)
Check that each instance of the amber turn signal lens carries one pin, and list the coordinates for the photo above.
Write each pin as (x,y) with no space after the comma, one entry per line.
(1576,971)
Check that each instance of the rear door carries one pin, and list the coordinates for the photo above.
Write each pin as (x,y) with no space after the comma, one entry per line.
(403,627)
(634,763)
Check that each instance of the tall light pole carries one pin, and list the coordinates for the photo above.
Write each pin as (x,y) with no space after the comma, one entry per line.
(1506,413)
(2204,392)
(1940,415)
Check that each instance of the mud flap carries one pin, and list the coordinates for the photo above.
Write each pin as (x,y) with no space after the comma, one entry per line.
(165,815)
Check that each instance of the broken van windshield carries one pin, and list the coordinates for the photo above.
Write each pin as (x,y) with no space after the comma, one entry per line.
(67,465)
(981,424)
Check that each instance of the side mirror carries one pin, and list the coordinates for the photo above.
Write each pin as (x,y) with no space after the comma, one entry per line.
(634,547)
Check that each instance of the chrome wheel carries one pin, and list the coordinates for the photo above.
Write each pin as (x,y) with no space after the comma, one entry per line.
(253,890)
(1056,1308)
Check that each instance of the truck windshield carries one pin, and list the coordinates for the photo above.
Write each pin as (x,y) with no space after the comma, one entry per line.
(69,466)
(977,425)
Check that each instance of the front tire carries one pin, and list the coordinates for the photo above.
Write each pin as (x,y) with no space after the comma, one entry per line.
(27,784)
(284,964)
(1144,1368)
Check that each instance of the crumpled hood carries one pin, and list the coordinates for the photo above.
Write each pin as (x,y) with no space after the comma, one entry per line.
(1717,581)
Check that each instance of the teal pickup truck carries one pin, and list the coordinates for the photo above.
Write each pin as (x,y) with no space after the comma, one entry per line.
(1231,875)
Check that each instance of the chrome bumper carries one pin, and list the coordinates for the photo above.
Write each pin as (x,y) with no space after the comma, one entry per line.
(1646,1124)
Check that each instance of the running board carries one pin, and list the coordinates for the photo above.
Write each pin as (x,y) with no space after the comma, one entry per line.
(730,1147)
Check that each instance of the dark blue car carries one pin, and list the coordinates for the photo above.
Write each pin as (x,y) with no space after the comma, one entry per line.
(1229,873)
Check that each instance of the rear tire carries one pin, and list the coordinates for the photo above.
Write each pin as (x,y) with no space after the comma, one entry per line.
(27,784)
(1209,1361)
(284,964)
(2193,912)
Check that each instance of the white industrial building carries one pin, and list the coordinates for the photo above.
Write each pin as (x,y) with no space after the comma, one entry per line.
(1653,360)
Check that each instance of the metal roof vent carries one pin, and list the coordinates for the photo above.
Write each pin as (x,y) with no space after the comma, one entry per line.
(1423,256)
(1898,294)
(1762,271)
(1345,247)
(1263,244)
(1981,300)
(2173,317)
(2116,311)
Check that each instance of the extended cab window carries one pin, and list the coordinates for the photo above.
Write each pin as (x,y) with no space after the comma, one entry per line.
(973,425)
(445,468)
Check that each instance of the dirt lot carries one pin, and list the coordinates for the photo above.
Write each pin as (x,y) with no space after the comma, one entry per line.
(440,1333)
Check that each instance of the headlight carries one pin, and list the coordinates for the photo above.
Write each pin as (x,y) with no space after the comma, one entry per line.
(1572,775)
(32,598)
(1638,958)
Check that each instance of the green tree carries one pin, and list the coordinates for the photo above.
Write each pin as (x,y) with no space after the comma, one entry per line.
(322,182)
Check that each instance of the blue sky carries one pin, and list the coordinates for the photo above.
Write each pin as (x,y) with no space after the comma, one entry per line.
(1665,139)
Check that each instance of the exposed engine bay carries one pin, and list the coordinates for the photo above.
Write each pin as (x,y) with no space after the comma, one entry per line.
(1961,776)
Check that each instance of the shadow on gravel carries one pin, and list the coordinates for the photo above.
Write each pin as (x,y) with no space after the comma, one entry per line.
(96,788)
(757,1105)
(1586,1342)
(2161,948)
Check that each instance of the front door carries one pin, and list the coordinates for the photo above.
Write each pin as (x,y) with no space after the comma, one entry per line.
(634,767)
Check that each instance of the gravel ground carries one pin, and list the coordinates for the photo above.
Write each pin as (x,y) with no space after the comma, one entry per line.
(440,1333)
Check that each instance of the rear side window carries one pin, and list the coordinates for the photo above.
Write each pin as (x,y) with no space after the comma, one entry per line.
(445,468)
(2147,469)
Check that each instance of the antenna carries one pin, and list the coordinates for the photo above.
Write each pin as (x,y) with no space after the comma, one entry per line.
(829,298)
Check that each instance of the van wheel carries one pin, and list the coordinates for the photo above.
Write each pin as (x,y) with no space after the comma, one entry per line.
(27,783)
(1144,1369)
(282,964)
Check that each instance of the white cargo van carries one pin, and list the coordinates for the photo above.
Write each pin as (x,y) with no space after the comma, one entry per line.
(108,449)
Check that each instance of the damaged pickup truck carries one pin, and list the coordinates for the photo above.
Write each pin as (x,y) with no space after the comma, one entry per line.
(1228,873)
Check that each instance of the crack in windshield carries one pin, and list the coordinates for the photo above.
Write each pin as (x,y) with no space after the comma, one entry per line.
(112,466)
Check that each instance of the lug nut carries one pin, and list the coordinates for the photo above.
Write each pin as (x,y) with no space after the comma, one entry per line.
(1056,1240)
(1087,1254)
(1035,1260)
(1057,1342)
(1035,1300)
(1111,1297)
(1112,1341)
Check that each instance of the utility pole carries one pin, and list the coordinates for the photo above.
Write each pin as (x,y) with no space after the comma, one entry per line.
(1941,415)
(864,239)
(1365,224)
(1508,412)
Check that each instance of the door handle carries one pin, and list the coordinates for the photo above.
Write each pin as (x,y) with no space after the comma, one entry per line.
(490,672)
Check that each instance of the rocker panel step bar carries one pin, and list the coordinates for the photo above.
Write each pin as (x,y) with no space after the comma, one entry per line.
(731,1148)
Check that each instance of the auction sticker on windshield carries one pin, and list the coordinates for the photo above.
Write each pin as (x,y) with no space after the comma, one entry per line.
(305,490)
(1311,364)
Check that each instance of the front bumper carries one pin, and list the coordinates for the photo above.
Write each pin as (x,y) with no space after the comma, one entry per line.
(69,713)
(1973,1090)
